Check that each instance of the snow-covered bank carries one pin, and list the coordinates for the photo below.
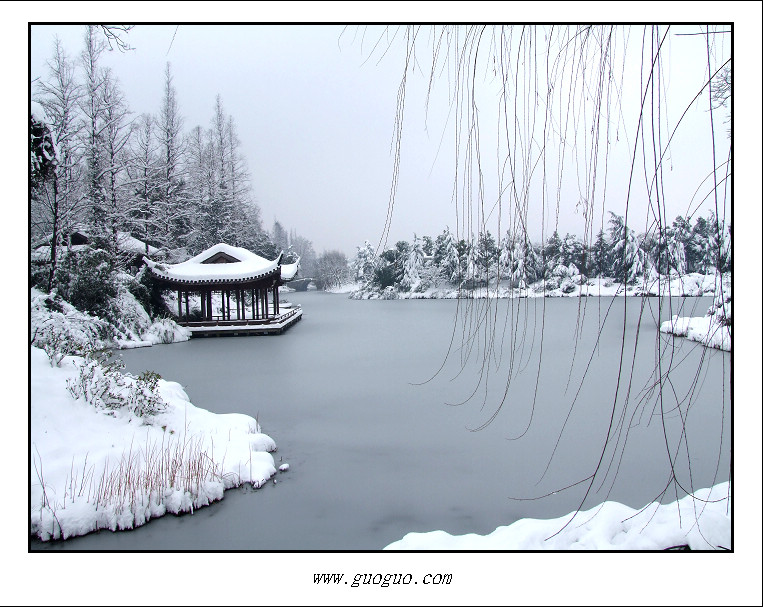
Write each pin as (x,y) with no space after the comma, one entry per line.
(570,285)
(713,329)
(701,521)
(54,323)
(703,329)
(106,468)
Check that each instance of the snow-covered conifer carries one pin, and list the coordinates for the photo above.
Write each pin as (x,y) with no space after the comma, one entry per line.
(412,266)
(364,263)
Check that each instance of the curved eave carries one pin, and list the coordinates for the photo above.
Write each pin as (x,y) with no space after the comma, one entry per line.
(214,282)
(289,271)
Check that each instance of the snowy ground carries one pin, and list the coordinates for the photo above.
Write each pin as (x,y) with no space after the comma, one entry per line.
(347,287)
(713,329)
(99,468)
(701,521)
(703,329)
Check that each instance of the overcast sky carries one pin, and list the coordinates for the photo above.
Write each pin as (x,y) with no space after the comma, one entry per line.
(316,119)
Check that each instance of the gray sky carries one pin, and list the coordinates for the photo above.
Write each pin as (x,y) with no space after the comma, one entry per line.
(316,121)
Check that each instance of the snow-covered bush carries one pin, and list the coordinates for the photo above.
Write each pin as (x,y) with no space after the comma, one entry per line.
(569,284)
(389,293)
(61,330)
(101,383)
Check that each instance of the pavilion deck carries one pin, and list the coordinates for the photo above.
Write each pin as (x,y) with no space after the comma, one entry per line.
(216,327)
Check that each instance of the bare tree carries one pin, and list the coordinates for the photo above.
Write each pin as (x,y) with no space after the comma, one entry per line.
(91,104)
(116,36)
(143,176)
(331,269)
(117,131)
(172,217)
(56,206)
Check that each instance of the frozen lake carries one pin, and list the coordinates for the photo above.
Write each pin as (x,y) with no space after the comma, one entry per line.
(374,456)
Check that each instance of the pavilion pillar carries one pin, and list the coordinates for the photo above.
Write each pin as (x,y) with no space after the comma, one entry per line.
(208,295)
(253,304)
(276,301)
(265,302)
(186,307)
(180,305)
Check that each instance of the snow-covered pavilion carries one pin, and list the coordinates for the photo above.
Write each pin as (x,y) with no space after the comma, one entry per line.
(243,285)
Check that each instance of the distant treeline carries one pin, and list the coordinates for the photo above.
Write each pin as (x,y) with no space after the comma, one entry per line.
(619,253)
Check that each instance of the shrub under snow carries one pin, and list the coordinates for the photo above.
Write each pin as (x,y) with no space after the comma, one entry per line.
(60,329)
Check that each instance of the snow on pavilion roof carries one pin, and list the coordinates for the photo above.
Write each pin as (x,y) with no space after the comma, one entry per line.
(222,263)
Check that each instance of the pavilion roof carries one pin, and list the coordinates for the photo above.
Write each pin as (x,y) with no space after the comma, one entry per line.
(223,263)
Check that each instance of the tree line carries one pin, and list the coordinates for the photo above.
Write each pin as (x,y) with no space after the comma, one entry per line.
(98,168)
(619,253)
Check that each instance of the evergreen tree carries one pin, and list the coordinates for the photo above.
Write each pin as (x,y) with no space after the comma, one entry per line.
(364,263)
(533,264)
(628,257)
(599,258)
(384,272)
(572,253)
(451,264)
(551,254)
(699,246)
(681,233)
(677,252)
(412,266)
(42,153)
(486,256)
(427,245)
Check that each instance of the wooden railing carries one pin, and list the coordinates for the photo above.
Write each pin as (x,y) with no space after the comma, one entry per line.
(218,321)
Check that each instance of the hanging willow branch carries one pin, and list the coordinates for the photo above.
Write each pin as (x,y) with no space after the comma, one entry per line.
(559,98)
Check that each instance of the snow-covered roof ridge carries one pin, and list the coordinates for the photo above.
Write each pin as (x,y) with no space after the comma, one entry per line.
(233,264)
